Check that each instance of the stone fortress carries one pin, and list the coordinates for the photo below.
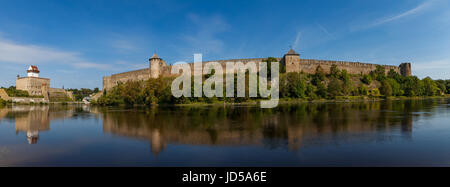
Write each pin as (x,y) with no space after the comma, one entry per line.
(36,86)
(291,61)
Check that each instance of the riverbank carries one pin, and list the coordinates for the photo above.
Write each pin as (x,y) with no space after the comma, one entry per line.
(343,99)
(347,99)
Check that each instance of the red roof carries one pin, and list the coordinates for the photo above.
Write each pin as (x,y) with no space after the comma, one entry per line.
(33,69)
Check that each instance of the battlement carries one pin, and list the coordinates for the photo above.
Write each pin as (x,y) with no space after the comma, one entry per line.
(291,61)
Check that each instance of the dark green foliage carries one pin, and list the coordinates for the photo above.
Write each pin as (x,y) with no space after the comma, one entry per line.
(269,61)
(366,79)
(321,90)
(386,88)
(363,90)
(442,86)
(334,71)
(2,102)
(334,88)
(447,86)
(430,87)
(347,86)
(318,77)
(79,94)
(380,73)
(412,86)
(395,86)
(292,85)
(13,92)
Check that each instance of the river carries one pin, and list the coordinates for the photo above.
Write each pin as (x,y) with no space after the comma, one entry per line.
(382,133)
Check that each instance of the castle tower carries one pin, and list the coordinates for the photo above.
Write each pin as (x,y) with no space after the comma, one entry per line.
(291,61)
(33,71)
(156,66)
(405,69)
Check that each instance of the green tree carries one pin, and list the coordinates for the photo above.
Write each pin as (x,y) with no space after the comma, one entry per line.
(293,85)
(430,87)
(334,88)
(347,86)
(366,79)
(321,90)
(379,73)
(441,85)
(386,88)
(411,86)
(334,71)
(363,90)
(319,76)
(396,87)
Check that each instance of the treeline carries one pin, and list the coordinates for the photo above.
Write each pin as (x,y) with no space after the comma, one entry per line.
(337,83)
(79,94)
(340,83)
(13,92)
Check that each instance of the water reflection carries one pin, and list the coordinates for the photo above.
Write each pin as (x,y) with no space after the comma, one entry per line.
(288,126)
(31,120)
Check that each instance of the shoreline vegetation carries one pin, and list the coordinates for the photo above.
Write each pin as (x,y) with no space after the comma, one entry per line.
(251,102)
(336,86)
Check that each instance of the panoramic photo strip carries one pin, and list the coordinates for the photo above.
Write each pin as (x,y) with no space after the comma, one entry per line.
(224,91)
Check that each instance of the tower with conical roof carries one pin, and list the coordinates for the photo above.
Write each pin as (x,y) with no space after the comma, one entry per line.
(156,65)
(291,61)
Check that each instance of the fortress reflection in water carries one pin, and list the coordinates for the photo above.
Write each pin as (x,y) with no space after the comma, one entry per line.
(293,126)
(34,119)
(289,126)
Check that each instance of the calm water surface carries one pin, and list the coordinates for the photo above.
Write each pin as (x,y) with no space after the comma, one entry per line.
(391,133)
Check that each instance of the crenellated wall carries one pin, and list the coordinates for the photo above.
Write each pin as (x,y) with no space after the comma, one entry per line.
(310,66)
(291,61)
(110,81)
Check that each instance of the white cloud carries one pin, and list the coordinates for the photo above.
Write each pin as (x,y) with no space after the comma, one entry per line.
(205,39)
(123,45)
(297,40)
(90,65)
(437,69)
(411,12)
(12,52)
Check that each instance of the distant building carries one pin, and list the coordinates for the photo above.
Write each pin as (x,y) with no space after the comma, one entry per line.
(37,86)
(33,84)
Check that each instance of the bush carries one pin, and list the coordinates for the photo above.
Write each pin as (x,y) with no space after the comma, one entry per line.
(366,79)
(363,90)
(13,92)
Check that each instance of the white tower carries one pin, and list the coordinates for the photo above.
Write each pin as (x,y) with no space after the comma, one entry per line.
(33,71)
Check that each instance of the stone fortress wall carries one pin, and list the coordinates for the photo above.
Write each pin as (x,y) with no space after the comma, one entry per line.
(34,85)
(291,60)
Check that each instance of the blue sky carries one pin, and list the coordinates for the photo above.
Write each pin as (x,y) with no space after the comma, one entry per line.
(76,43)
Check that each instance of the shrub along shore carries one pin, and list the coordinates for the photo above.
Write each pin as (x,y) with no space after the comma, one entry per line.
(338,85)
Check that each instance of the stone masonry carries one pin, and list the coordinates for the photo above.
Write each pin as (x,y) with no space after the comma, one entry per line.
(291,60)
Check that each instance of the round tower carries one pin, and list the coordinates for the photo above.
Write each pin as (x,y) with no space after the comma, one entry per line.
(405,69)
(291,61)
(156,64)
